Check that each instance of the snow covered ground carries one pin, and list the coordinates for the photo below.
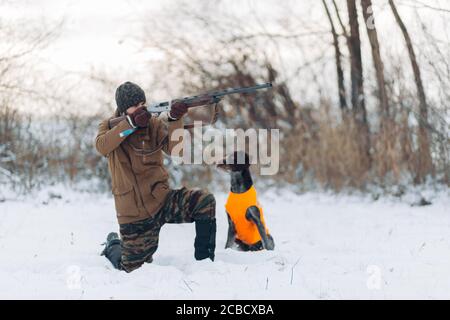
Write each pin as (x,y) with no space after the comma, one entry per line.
(327,247)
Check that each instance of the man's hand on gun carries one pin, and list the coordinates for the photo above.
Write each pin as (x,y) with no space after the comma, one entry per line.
(177,110)
(139,118)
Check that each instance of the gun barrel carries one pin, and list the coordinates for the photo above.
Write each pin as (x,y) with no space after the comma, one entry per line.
(214,96)
(218,95)
(241,90)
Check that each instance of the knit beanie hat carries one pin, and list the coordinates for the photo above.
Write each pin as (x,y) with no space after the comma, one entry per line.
(128,94)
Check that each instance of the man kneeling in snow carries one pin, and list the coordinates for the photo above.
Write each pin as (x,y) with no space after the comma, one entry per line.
(144,202)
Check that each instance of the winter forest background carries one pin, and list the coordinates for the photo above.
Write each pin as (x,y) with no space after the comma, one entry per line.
(360,98)
(359,208)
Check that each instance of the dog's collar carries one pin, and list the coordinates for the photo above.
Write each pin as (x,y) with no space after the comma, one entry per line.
(246,193)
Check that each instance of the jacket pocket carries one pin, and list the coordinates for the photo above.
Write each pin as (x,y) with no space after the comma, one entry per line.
(125,201)
(152,158)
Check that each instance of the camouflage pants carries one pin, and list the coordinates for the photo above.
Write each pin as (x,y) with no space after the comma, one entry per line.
(140,239)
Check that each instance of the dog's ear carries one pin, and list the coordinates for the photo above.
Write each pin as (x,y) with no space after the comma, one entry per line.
(223,165)
(237,161)
(241,161)
(241,158)
(247,160)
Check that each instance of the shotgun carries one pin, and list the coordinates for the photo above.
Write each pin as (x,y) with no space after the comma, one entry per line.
(193,101)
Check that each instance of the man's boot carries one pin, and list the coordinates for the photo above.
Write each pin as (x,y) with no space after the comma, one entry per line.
(205,239)
(113,250)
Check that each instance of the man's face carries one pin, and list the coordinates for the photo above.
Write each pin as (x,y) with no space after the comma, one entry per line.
(132,109)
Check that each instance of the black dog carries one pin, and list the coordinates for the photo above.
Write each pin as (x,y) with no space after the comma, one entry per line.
(246,226)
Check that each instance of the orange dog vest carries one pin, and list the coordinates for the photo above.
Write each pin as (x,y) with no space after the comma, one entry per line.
(236,206)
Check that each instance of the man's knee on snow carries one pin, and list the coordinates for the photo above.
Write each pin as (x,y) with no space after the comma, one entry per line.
(130,267)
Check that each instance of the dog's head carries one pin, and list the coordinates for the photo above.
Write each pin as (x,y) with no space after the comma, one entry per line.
(237,161)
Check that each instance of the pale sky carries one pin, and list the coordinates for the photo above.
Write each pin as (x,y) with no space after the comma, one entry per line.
(93,31)
(97,32)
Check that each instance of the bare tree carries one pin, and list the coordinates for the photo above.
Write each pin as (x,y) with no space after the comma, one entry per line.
(357,80)
(358,103)
(425,165)
(338,56)
(22,156)
(377,60)
(421,4)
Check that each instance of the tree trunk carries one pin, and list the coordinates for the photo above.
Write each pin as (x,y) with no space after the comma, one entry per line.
(339,70)
(425,165)
(376,55)
(358,104)
(356,61)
